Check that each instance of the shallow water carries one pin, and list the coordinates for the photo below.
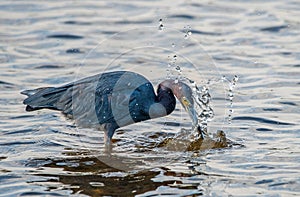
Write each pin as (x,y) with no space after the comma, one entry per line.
(53,42)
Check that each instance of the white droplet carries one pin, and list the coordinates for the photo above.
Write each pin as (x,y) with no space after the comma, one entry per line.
(175,57)
(161,26)
(178,69)
(187,31)
(235,79)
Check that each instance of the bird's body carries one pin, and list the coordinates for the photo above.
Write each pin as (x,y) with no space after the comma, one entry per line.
(111,100)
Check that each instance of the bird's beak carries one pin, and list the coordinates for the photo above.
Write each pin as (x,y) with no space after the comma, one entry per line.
(190,109)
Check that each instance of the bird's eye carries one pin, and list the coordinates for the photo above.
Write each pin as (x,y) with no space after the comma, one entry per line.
(185,102)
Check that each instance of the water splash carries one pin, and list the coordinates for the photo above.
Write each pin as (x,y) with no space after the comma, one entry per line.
(202,104)
(198,137)
(201,97)
(201,94)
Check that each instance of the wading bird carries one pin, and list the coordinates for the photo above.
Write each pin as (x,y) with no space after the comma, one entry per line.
(112,100)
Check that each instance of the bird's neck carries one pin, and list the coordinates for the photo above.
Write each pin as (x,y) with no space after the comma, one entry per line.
(167,99)
(164,105)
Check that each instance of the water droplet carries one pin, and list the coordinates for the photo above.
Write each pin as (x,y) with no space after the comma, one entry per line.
(232,85)
(235,79)
(129,84)
(187,31)
(175,57)
(224,78)
(161,26)
(178,69)
(173,45)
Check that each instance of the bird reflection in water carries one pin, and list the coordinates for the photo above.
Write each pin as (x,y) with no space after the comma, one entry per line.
(90,176)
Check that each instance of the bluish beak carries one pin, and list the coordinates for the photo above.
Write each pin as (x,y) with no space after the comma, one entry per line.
(193,115)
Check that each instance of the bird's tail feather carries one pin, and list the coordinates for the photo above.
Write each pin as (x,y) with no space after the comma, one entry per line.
(46,97)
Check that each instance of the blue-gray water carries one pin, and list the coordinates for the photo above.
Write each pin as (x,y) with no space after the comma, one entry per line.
(48,43)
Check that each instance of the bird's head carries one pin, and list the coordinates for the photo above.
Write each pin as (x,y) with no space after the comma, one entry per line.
(185,96)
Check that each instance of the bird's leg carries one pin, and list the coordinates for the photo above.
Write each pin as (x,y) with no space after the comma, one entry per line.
(107,140)
(107,143)
(108,133)
(108,148)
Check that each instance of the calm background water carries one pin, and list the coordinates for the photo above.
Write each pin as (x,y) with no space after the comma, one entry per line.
(48,43)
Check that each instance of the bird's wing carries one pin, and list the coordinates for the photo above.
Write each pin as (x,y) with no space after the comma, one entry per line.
(91,99)
(123,100)
(116,97)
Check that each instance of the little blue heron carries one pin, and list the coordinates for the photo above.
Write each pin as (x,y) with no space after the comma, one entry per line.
(112,100)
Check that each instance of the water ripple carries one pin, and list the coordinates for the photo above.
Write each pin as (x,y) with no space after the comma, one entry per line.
(48,66)
(274,28)
(43,43)
(261,120)
(65,36)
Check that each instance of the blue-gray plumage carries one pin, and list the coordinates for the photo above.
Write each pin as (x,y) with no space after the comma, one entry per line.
(112,100)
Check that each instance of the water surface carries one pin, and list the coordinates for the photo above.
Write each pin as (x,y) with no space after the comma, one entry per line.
(50,43)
